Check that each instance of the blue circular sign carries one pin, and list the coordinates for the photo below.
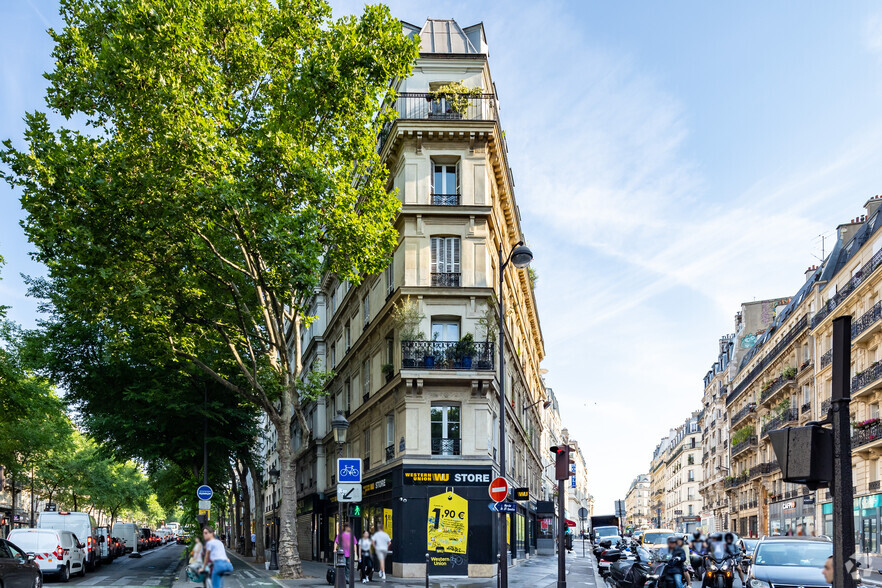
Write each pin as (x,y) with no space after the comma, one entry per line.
(204,492)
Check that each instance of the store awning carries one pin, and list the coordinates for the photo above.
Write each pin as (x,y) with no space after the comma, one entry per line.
(570,523)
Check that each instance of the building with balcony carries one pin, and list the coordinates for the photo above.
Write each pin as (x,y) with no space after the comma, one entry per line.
(657,482)
(683,473)
(414,350)
(715,440)
(637,507)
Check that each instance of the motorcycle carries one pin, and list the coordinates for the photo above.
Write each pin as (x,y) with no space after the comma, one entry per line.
(719,568)
(632,571)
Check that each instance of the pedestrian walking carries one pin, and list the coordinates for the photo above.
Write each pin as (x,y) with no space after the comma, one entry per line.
(381,541)
(216,554)
(196,556)
(365,564)
(347,542)
(253,543)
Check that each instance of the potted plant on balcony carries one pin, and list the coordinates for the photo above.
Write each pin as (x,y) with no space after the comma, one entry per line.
(464,351)
(389,371)
(452,100)
(429,356)
(406,319)
(789,373)
(490,325)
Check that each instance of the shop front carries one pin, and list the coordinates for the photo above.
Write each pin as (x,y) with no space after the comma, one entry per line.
(794,516)
(867,522)
(545,537)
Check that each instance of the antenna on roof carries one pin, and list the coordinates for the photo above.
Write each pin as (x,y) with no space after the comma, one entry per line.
(823,238)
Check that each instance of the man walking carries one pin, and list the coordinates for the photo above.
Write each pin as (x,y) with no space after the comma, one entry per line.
(347,541)
(381,541)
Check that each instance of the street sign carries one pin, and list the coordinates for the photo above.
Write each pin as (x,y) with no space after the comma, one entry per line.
(521,494)
(204,492)
(204,512)
(498,490)
(508,507)
(583,513)
(620,508)
(349,492)
(349,469)
(204,504)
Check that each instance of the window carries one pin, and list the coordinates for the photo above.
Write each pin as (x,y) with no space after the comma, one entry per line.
(390,278)
(347,393)
(445,330)
(390,436)
(691,477)
(333,355)
(445,429)
(348,335)
(390,351)
(874,410)
(445,184)
(366,379)
(366,309)
(332,303)
(367,449)
(445,262)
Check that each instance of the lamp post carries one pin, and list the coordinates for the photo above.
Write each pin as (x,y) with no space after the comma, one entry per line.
(274,547)
(340,426)
(520,256)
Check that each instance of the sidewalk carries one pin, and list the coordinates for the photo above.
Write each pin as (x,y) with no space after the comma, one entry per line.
(536,572)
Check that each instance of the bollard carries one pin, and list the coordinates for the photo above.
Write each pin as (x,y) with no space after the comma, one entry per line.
(427,570)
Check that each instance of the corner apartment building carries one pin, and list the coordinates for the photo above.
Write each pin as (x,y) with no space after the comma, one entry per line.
(715,441)
(422,398)
(637,515)
(683,473)
(657,481)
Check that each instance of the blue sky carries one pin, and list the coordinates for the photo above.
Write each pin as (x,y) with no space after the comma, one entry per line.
(672,160)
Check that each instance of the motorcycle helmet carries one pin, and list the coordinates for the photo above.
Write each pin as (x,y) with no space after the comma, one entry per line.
(730,538)
(672,540)
(716,537)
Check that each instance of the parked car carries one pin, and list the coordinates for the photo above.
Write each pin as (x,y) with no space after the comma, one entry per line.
(17,568)
(793,561)
(105,551)
(119,549)
(80,524)
(130,535)
(56,552)
(655,538)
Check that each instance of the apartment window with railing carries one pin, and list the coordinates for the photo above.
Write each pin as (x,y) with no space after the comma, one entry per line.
(365,380)
(446,262)
(390,436)
(445,429)
(445,183)
(347,335)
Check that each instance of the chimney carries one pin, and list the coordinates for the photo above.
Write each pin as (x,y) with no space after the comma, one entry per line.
(846,231)
(873,205)
(810,272)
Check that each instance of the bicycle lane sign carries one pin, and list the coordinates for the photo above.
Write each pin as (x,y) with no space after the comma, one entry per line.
(349,469)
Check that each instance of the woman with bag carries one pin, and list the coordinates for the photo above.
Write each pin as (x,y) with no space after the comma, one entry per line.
(216,554)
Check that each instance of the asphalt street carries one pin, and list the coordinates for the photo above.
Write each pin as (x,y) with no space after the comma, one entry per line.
(156,567)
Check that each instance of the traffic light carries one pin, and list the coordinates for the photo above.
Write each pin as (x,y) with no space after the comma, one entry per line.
(355,510)
(561,462)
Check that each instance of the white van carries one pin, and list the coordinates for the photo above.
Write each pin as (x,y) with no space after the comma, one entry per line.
(80,524)
(58,553)
(129,534)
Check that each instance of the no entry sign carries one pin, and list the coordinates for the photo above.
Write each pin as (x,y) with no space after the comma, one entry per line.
(498,490)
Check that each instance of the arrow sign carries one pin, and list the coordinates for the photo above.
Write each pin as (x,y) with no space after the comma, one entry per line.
(348,492)
(508,507)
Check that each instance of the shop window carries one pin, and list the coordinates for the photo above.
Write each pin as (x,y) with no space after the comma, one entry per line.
(445,429)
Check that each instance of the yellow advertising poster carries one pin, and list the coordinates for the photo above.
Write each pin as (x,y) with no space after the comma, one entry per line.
(447,533)
(387,521)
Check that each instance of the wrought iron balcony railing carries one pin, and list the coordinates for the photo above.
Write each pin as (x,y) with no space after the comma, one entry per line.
(390,452)
(827,358)
(866,377)
(866,435)
(445,199)
(846,290)
(825,408)
(873,486)
(445,446)
(780,420)
(779,383)
(446,279)
(742,445)
(743,413)
(447,355)
(867,320)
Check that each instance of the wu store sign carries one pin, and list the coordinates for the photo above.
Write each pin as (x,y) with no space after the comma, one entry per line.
(441,477)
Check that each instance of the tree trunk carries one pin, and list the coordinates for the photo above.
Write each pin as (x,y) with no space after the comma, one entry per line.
(259,507)
(236,514)
(289,556)
(246,506)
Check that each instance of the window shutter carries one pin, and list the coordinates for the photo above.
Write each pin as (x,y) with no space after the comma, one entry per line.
(436,257)
(454,260)
(433,174)
(458,176)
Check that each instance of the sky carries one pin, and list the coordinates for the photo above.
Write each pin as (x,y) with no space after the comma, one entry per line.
(672,160)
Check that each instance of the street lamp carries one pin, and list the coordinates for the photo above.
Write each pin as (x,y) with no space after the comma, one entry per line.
(340,426)
(520,257)
(274,547)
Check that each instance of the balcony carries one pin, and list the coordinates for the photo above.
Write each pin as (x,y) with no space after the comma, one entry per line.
(446,279)
(873,486)
(850,286)
(777,385)
(446,446)
(742,445)
(390,453)
(866,435)
(867,324)
(827,358)
(742,414)
(447,355)
(426,106)
(735,481)
(825,408)
(779,421)
(445,199)
(868,380)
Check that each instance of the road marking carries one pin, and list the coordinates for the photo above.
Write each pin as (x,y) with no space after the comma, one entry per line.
(154,581)
(249,574)
(92,580)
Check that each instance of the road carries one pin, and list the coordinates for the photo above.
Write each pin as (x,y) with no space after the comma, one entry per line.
(155,567)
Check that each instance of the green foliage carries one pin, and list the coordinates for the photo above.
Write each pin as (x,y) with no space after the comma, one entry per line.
(465,347)
(533,275)
(789,373)
(782,407)
(457,95)
(406,318)
(489,320)
(742,434)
